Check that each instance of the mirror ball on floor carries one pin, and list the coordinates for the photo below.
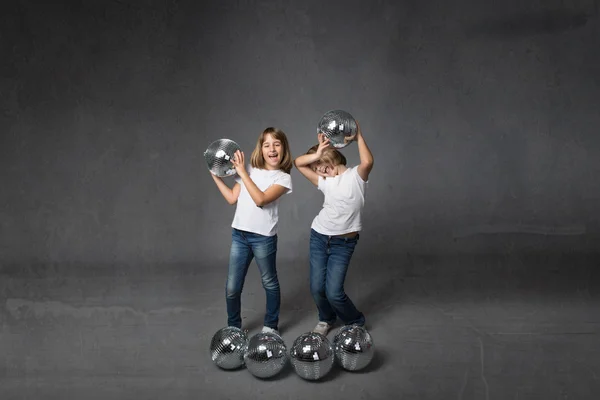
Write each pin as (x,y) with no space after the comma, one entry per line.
(353,347)
(227,347)
(312,356)
(266,355)
(337,125)
(218,157)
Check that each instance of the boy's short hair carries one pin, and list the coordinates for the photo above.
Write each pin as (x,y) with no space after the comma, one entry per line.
(330,155)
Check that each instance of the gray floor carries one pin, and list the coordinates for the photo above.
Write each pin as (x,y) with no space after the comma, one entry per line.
(444,328)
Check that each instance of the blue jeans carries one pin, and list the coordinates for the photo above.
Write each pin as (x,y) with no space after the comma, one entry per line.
(329,260)
(246,246)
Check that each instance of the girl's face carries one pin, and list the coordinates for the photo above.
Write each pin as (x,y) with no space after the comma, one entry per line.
(272,152)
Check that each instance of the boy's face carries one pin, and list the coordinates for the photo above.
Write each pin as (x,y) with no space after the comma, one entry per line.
(324,169)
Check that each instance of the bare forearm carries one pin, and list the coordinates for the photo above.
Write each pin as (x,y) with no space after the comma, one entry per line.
(366,157)
(225,190)
(305,160)
(258,196)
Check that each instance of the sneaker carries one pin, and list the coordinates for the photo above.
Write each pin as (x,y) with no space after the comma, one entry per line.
(322,328)
(244,330)
(266,329)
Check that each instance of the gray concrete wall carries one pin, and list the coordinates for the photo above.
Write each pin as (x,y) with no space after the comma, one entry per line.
(482,116)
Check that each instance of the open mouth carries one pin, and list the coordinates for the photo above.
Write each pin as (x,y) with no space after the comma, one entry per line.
(273,157)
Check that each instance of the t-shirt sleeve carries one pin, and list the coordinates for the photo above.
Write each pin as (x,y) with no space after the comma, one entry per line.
(359,179)
(284,180)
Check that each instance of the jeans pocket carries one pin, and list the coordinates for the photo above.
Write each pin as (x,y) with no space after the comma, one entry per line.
(353,240)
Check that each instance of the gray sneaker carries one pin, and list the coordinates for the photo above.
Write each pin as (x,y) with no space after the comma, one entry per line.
(266,329)
(322,328)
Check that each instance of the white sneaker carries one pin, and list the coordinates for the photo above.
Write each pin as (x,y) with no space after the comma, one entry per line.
(266,329)
(322,328)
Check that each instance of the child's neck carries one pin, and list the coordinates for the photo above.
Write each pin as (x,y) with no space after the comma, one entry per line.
(341,169)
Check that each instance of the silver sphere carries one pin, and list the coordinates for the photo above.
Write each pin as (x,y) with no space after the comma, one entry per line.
(312,356)
(227,347)
(353,347)
(266,355)
(339,127)
(218,157)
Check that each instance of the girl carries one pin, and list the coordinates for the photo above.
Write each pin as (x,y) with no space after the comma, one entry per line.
(254,233)
(335,230)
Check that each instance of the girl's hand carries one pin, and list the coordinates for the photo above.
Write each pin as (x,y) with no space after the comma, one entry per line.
(238,162)
(323,144)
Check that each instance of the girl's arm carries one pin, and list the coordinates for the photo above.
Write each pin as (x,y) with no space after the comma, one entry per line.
(230,194)
(260,198)
(303,162)
(366,157)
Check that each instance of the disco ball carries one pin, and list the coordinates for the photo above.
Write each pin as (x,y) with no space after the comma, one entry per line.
(265,355)
(353,347)
(337,125)
(312,356)
(227,347)
(218,157)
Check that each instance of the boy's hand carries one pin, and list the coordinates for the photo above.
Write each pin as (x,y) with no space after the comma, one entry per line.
(354,137)
(350,139)
(323,144)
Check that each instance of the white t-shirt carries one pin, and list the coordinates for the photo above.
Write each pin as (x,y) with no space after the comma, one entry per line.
(343,204)
(261,220)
